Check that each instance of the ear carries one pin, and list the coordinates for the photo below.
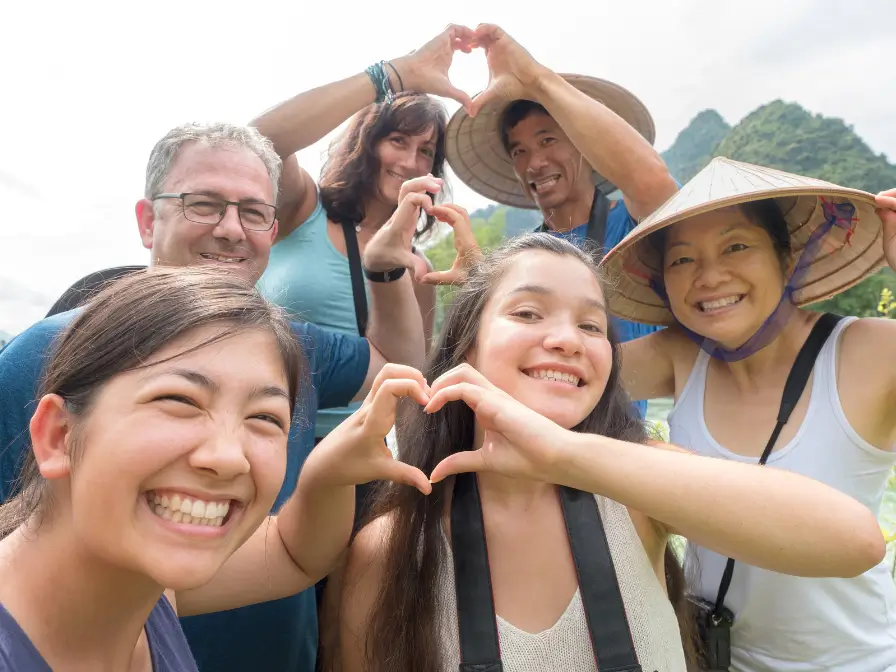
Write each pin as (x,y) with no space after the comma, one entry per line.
(274,230)
(51,431)
(146,219)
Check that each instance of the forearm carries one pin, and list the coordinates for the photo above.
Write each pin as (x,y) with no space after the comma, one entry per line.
(316,523)
(609,144)
(395,327)
(763,516)
(303,120)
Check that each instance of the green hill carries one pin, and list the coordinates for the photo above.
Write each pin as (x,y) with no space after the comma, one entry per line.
(695,145)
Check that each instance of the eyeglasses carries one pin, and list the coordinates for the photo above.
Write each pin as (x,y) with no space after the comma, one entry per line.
(205,209)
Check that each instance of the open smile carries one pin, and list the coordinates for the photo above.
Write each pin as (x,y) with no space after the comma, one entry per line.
(222,259)
(566,377)
(545,183)
(720,305)
(191,514)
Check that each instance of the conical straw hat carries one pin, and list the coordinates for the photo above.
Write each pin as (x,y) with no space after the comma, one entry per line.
(476,155)
(848,253)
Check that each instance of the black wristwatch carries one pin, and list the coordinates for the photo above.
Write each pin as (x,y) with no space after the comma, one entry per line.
(384,276)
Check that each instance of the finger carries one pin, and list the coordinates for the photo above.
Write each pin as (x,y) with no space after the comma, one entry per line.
(416,265)
(422,184)
(459,463)
(395,371)
(399,472)
(483,99)
(407,214)
(450,91)
(459,220)
(450,277)
(471,394)
(488,32)
(388,394)
(462,373)
(886,200)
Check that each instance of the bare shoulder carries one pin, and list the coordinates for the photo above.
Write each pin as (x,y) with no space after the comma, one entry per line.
(867,348)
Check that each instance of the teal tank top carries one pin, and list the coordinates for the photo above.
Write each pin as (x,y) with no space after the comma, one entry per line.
(310,279)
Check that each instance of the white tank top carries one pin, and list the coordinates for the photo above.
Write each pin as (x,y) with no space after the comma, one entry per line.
(566,645)
(794,624)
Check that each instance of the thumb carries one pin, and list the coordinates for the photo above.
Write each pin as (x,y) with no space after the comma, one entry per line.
(449,277)
(483,99)
(399,472)
(458,463)
(451,91)
(416,265)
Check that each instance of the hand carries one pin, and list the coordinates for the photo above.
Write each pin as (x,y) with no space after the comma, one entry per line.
(518,442)
(512,72)
(886,210)
(390,247)
(426,69)
(356,451)
(468,252)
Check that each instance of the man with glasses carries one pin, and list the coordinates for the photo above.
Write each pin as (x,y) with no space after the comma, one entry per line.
(210,199)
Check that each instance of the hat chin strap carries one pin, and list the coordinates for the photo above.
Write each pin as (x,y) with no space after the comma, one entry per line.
(836,214)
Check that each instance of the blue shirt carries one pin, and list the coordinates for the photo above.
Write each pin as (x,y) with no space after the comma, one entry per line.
(619,224)
(280,635)
(168,650)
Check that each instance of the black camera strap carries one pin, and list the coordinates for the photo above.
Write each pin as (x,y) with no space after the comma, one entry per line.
(357,275)
(793,390)
(611,639)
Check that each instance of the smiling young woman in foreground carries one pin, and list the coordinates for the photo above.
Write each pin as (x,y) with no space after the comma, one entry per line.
(158,449)
(525,392)
(727,264)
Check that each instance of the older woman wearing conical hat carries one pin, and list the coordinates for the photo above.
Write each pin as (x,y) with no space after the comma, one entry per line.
(729,264)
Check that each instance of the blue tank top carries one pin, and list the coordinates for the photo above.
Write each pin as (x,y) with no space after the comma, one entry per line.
(311,279)
(168,648)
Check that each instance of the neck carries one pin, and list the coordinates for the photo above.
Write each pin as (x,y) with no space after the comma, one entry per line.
(773,362)
(501,491)
(573,212)
(376,214)
(73,606)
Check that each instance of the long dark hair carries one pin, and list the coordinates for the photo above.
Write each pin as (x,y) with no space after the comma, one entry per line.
(123,326)
(402,634)
(347,181)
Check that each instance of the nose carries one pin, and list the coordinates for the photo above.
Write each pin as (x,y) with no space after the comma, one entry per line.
(564,338)
(224,456)
(537,162)
(710,274)
(407,160)
(230,228)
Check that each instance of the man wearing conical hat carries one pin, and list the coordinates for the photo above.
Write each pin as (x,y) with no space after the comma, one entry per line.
(729,265)
(561,143)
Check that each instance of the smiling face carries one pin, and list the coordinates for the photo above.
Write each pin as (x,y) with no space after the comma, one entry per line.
(403,157)
(179,462)
(546,162)
(543,336)
(233,174)
(723,275)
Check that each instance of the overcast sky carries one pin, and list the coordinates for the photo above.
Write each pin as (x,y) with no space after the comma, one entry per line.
(88,87)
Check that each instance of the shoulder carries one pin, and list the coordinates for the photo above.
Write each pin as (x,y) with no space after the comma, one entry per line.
(864,344)
(35,343)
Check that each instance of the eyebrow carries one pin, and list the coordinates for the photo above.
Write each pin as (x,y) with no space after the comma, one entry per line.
(722,234)
(544,291)
(207,383)
(218,194)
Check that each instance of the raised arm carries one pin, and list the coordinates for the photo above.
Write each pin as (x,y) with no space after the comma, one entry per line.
(609,144)
(306,118)
(303,542)
(767,517)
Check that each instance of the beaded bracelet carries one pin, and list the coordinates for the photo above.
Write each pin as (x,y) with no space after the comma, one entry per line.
(380,78)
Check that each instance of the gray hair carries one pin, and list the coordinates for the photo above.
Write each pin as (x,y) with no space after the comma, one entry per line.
(213,135)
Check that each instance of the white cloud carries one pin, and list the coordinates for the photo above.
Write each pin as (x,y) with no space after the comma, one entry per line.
(89,87)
